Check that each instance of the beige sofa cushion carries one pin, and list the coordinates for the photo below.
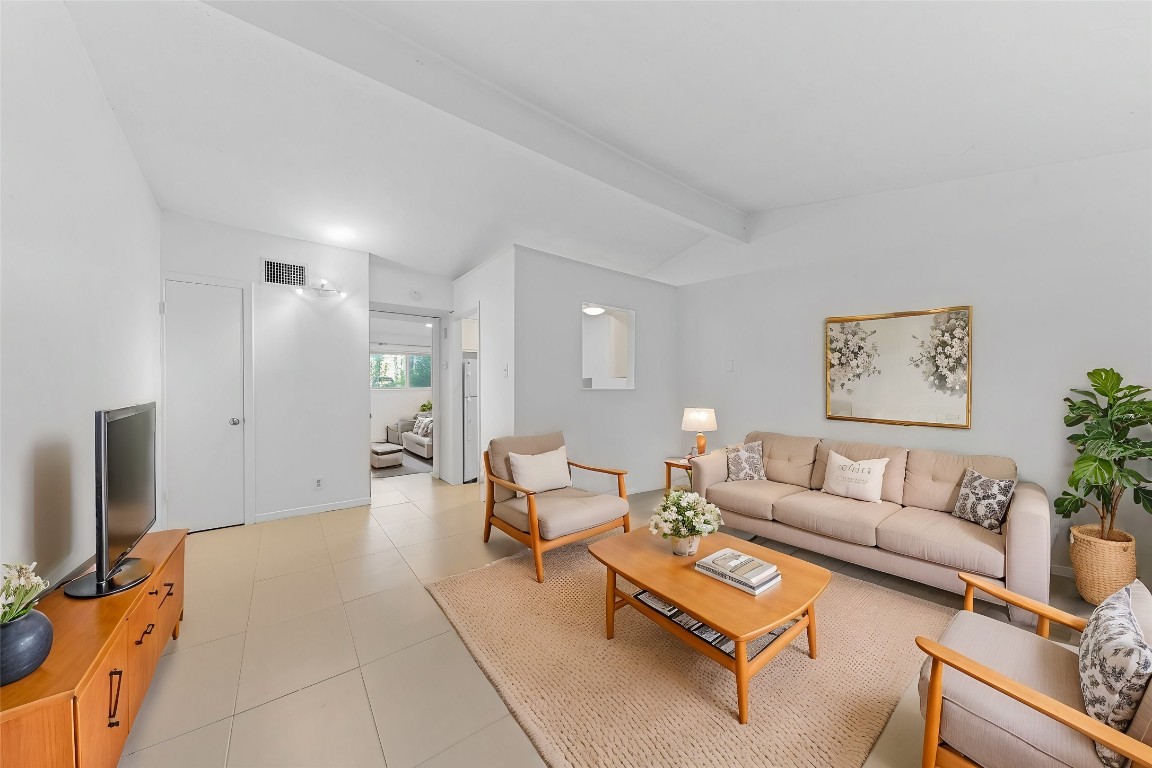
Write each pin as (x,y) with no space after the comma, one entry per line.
(787,459)
(750,497)
(562,511)
(844,519)
(989,727)
(893,488)
(934,477)
(938,537)
(499,449)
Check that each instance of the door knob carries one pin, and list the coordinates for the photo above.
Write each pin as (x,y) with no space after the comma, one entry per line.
(234,422)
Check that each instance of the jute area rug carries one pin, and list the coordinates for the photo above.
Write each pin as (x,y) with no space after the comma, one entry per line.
(645,699)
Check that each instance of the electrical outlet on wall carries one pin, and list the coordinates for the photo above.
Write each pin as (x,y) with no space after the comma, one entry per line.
(318,483)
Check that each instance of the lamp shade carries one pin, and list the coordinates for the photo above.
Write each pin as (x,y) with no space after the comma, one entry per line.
(699,420)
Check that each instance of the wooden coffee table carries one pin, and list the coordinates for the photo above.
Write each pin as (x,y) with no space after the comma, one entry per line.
(647,561)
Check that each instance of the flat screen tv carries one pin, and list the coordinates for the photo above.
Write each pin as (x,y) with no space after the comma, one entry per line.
(125,499)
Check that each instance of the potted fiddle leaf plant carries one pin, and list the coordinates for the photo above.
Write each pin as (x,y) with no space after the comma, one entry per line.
(1115,419)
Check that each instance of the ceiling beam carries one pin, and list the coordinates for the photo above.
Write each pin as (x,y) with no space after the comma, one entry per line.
(341,34)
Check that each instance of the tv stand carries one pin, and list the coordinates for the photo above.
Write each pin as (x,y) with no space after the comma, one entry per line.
(132,571)
(75,711)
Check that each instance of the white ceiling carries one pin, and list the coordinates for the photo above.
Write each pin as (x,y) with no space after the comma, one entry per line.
(620,134)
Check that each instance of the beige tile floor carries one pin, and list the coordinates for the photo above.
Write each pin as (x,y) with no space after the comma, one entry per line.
(311,642)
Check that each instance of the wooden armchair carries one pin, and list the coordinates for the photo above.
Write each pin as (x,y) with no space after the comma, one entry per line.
(547,519)
(1042,720)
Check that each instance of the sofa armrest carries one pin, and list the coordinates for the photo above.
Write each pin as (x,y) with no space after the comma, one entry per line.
(708,470)
(1028,547)
(405,425)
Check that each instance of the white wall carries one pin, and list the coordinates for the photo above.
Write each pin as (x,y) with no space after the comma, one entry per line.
(80,286)
(633,429)
(1056,262)
(491,289)
(393,284)
(310,369)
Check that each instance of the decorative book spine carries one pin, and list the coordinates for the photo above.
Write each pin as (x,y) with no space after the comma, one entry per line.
(733,580)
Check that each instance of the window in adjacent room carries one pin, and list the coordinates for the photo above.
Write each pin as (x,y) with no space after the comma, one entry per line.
(400,370)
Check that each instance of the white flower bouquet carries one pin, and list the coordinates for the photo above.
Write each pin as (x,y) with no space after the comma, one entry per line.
(943,358)
(683,514)
(20,588)
(851,356)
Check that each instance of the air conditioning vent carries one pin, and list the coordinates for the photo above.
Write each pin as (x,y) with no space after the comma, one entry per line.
(281,273)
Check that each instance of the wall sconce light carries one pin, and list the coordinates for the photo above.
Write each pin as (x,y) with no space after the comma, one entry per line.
(324,290)
(592,310)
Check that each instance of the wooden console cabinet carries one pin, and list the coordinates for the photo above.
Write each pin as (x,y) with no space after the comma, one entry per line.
(75,710)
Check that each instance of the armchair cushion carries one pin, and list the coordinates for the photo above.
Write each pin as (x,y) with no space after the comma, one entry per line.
(500,447)
(541,471)
(1115,667)
(993,729)
(562,511)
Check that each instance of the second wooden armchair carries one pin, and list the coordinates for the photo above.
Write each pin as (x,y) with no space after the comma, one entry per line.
(545,520)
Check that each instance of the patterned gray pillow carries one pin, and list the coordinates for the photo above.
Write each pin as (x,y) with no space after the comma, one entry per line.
(1115,666)
(746,462)
(983,500)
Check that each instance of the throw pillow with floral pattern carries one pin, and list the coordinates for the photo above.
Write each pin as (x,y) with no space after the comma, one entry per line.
(746,462)
(1115,667)
(983,500)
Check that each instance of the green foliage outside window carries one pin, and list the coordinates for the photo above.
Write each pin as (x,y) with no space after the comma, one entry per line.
(399,371)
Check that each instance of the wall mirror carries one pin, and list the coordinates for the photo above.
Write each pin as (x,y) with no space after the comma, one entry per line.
(910,368)
(609,347)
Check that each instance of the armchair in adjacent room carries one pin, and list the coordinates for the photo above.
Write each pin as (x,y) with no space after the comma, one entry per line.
(530,496)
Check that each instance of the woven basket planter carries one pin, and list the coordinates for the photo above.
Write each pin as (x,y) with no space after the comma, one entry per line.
(1102,566)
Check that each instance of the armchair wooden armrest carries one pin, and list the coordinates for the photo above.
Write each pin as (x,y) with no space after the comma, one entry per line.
(510,485)
(1045,613)
(618,472)
(1126,745)
(605,470)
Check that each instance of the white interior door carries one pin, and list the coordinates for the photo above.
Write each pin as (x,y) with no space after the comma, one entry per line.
(203,404)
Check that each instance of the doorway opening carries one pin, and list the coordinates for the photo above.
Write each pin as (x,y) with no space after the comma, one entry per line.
(402,374)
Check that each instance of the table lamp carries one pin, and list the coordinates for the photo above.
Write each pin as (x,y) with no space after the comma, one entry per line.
(700,420)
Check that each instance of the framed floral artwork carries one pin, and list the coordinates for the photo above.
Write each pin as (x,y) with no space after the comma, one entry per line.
(912,368)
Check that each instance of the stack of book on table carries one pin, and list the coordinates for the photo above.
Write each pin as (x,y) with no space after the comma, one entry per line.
(742,571)
(707,633)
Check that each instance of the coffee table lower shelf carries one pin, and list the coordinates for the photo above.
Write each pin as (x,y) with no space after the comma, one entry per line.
(740,665)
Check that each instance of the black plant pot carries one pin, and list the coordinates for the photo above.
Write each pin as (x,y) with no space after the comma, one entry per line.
(24,644)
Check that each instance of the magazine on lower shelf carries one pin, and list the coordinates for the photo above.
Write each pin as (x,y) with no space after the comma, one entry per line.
(708,634)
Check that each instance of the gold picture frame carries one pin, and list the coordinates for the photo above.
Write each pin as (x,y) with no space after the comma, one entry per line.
(909,368)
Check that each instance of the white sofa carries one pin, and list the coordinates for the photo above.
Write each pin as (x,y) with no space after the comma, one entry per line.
(911,533)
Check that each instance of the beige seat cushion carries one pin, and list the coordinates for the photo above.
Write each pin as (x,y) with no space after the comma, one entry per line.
(499,449)
(750,497)
(835,516)
(992,729)
(787,459)
(933,478)
(893,487)
(563,511)
(927,534)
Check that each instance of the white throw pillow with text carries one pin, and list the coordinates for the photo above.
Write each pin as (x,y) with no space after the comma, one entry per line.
(854,479)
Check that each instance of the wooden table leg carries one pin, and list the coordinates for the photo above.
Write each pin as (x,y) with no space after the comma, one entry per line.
(610,617)
(741,652)
(811,631)
(667,478)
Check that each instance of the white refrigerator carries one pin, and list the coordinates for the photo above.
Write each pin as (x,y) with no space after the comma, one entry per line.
(471,420)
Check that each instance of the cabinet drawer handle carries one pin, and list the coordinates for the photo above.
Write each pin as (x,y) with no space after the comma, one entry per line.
(114,700)
(170,585)
(146,633)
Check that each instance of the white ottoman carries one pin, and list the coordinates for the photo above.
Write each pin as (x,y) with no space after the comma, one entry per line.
(386,455)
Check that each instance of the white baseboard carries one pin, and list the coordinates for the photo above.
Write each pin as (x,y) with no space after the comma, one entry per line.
(282,513)
(1062,570)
